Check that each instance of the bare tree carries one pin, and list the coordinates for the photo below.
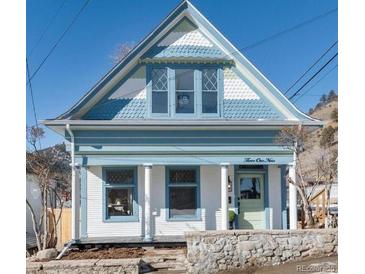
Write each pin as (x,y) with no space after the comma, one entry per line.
(47,166)
(121,51)
(328,164)
(297,139)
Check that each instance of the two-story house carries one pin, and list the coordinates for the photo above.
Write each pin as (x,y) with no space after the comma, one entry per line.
(178,133)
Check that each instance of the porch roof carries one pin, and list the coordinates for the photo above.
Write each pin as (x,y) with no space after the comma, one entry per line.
(199,159)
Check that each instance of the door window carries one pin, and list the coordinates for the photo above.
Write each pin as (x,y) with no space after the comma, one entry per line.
(250,188)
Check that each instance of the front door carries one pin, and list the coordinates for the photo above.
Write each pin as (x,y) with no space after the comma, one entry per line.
(251,201)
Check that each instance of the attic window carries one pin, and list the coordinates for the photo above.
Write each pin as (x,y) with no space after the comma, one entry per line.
(184,86)
(209,91)
(159,90)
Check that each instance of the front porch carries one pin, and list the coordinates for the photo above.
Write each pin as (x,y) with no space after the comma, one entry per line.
(153,218)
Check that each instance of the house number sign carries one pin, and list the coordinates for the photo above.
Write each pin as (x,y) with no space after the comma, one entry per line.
(259,160)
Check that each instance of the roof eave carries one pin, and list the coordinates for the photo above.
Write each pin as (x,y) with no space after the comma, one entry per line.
(181,122)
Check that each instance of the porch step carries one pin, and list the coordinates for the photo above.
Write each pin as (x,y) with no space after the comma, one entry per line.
(162,260)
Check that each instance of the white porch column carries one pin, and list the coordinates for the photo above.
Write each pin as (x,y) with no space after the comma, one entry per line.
(224,195)
(293,218)
(147,202)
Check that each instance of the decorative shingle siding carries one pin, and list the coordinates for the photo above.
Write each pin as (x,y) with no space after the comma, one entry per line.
(127,102)
(122,108)
(129,99)
(185,40)
(241,102)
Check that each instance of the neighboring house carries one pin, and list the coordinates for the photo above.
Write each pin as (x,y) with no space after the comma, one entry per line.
(33,196)
(60,184)
(318,197)
(178,132)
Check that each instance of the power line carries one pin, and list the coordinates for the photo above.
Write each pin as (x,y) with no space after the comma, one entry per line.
(310,79)
(315,63)
(253,44)
(31,93)
(32,97)
(47,27)
(302,24)
(316,83)
(59,39)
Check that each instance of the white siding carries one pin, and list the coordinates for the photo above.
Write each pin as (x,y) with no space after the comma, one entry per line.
(34,198)
(96,227)
(275,197)
(209,201)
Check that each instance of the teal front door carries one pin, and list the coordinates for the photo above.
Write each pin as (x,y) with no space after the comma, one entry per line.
(251,201)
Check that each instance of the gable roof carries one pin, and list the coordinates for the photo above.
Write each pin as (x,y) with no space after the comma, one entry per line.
(153,46)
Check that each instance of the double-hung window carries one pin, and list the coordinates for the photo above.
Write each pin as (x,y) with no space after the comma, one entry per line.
(159,91)
(209,91)
(120,194)
(183,192)
(184,91)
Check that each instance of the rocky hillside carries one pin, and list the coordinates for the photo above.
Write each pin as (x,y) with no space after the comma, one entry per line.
(326,110)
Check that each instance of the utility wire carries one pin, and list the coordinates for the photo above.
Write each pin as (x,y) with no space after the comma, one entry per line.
(170,78)
(302,24)
(32,97)
(316,83)
(59,39)
(310,79)
(47,27)
(31,93)
(250,46)
(315,63)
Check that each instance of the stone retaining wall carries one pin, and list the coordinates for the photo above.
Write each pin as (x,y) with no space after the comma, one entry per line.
(124,266)
(214,251)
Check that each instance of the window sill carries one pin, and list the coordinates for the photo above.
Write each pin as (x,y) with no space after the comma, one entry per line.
(184,219)
(121,219)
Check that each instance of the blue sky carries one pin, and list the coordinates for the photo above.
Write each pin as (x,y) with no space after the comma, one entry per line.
(83,56)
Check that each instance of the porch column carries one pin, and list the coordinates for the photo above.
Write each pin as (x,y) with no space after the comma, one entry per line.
(224,195)
(293,218)
(147,202)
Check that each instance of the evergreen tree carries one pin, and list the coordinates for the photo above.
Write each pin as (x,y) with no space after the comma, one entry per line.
(331,95)
(323,99)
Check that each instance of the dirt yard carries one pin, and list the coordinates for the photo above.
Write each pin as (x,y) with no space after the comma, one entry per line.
(118,253)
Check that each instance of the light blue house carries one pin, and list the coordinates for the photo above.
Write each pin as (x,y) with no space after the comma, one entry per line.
(178,133)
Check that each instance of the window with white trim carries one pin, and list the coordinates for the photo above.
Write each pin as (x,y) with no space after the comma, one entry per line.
(159,90)
(209,90)
(184,91)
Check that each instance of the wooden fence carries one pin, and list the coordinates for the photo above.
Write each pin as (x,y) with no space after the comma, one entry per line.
(63,227)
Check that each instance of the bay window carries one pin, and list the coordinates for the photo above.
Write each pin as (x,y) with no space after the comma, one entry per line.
(183,192)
